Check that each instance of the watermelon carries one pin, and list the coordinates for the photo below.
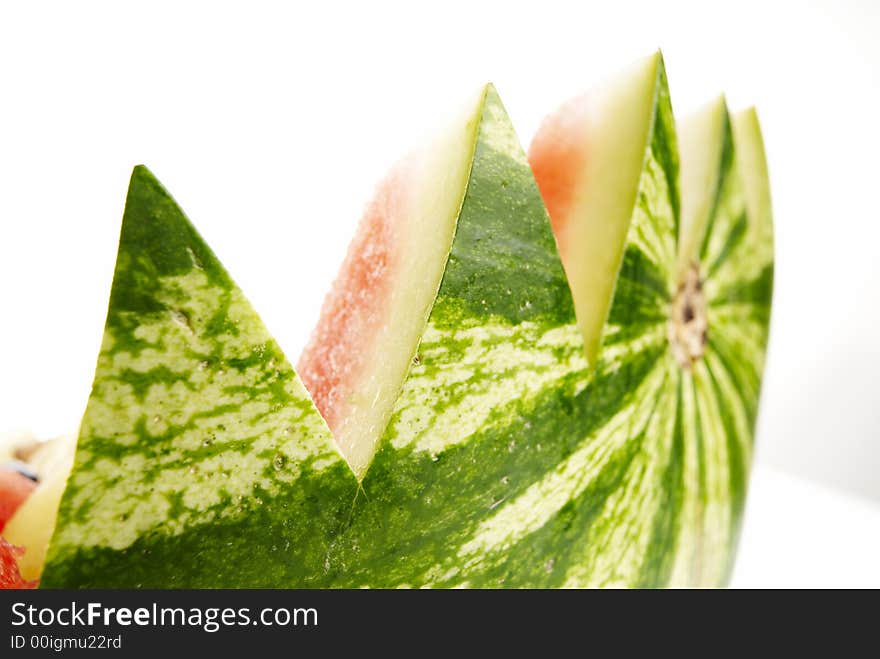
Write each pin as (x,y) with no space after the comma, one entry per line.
(504,413)
(682,290)
(451,282)
(373,318)
(200,456)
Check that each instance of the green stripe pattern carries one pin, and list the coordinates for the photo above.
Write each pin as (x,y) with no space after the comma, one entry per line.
(196,422)
(508,460)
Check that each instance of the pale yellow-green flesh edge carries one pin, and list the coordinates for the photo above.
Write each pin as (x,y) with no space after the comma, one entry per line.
(618,121)
(700,152)
(752,167)
(429,195)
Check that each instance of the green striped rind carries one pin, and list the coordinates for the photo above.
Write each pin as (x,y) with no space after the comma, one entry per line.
(508,461)
(720,395)
(502,328)
(488,408)
(633,476)
(195,422)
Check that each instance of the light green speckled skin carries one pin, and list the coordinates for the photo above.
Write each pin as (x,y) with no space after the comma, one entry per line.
(508,460)
(195,420)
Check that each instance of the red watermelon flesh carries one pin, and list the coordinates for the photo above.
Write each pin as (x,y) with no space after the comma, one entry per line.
(587,158)
(354,309)
(10,578)
(557,156)
(361,350)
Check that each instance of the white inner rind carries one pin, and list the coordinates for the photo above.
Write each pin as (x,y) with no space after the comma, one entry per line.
(700,145)
(752,169)
(617,118)
(432,192)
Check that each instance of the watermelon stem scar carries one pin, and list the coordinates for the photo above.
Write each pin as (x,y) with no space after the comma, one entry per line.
(513,381)
(688,322)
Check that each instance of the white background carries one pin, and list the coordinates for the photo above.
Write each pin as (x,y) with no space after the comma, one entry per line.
(270,123)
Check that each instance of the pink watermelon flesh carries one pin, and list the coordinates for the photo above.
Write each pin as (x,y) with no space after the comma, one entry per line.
(355,308)
(372,320)
(557,156)
(10,578)
(587,158)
